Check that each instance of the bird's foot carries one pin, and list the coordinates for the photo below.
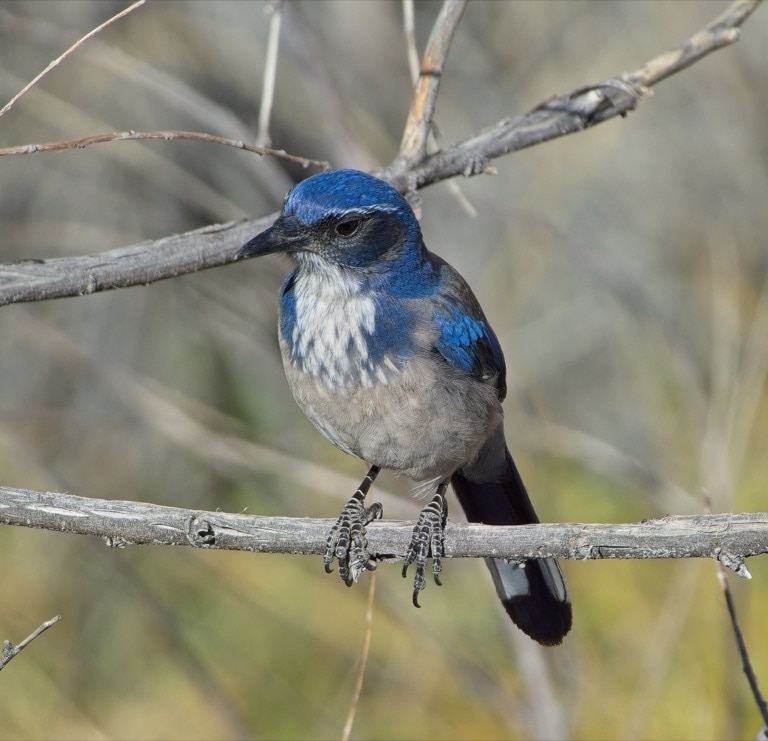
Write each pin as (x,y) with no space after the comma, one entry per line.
(346,541)
(428,539)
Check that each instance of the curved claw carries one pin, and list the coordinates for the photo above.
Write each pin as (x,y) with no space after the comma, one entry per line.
(428,539)
(347,541)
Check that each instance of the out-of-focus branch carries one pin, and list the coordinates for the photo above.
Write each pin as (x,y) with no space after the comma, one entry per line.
(728,538)
(36,280)
(270,73)
(7,107)
(409,31)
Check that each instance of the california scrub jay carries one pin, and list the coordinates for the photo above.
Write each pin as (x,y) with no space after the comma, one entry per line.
(388,353)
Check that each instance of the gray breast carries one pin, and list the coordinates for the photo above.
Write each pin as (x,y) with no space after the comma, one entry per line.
(421,423)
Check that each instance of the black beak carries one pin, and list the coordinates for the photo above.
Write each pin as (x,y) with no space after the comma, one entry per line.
(285,235)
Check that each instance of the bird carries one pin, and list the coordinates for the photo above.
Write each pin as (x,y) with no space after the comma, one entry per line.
(389,355)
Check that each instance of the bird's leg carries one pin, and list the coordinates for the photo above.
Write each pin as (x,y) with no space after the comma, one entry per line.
(428,537)
(346,541)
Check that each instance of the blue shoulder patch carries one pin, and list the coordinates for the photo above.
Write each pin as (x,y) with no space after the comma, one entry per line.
(468,343)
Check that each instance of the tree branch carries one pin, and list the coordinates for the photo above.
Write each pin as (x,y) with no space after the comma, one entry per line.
(418,126)
(147,262)
(137,264)
(728,538)
(575,111)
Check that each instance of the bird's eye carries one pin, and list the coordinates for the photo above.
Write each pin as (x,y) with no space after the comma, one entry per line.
(348,228)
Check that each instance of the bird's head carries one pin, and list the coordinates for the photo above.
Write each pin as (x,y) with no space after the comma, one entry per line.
(343,217)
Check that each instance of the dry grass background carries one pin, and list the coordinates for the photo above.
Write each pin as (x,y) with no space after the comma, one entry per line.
(624,270)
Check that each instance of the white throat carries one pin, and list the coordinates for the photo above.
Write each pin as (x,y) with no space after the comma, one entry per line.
(334,318)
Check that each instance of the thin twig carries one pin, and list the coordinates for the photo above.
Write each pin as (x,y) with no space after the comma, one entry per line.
(7,107)
(364,651)
(198,136)
(424,97)
(10,651)
(270,73)
(746,664)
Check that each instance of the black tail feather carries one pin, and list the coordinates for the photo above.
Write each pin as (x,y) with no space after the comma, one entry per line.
(533,594)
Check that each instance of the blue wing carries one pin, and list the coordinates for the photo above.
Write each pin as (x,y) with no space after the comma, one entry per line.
(465,338)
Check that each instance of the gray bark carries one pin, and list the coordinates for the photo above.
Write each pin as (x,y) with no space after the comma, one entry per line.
(729,538)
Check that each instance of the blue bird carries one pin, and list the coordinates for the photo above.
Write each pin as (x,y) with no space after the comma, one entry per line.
(387,352)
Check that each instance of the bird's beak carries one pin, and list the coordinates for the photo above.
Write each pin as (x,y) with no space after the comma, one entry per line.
(285,235)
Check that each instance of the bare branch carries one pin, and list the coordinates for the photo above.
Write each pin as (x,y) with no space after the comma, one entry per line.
(418,126)
(142,263)
(727,538)
(198,136)
(146,262)
(7,107)
(576,111)
(10,651)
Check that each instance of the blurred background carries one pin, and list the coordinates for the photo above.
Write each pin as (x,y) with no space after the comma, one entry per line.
(624,270)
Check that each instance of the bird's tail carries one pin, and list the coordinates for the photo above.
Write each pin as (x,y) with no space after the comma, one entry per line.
(533,594)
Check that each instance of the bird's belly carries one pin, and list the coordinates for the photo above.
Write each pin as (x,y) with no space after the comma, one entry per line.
(418,424)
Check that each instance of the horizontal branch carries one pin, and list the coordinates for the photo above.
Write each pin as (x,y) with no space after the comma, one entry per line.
(147,262)
(137,264)
(730,538)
